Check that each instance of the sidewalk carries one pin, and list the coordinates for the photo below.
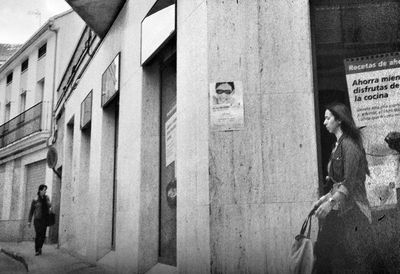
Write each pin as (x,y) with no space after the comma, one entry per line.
(9,265)
(52,260)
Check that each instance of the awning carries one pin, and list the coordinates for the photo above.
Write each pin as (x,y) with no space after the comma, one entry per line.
(99,15)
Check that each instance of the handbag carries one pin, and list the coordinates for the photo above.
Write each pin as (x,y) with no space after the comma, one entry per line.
(302,256)
(51,219)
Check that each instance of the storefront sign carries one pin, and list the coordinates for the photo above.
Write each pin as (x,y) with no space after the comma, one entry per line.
(170,137)
(110,82)
(374,92)
(226,106)
(157,27)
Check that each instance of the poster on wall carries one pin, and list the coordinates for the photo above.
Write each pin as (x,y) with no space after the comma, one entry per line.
(373,84)
(170,137)
(110,82)
(226,106)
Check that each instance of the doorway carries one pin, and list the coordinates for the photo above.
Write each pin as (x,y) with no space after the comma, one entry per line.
(55,202)
(168,184)
(35,174)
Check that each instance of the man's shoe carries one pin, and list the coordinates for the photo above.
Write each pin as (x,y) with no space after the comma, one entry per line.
(37,253)
(40,251)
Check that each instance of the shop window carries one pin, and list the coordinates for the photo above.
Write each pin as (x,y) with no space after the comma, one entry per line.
(42,51)
(109,175)
(347,30)
(9,78)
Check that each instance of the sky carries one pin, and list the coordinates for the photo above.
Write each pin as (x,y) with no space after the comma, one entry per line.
(18,21)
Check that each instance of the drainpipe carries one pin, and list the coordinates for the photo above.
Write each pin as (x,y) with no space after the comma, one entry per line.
(52,130)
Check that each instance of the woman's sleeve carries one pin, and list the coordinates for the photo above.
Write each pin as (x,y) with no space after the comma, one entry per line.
(352,157)
(31,211)
(48,202)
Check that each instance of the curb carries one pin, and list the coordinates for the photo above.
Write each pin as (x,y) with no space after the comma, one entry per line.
(15,256)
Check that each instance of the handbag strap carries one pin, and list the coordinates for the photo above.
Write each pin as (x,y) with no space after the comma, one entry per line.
(304,226)
(307,224)
(309,227)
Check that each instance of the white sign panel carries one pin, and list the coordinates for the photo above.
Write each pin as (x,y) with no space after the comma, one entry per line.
(156,28)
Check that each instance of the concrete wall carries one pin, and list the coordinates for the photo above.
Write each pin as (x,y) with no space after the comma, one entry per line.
(193,182)
(242,195)
(84,226)
(262,179)
(136,248)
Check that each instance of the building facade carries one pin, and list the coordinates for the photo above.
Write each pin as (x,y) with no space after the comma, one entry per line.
(27,84)
(156,178)
(6,50)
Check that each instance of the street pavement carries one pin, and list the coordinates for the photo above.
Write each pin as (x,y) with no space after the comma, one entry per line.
(18,257)
(10,265)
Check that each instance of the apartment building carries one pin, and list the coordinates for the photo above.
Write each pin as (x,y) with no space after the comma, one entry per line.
(27,85)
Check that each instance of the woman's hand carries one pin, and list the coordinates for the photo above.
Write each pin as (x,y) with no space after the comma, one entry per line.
(29,224)
(323,210)
(315,206)
(317,203)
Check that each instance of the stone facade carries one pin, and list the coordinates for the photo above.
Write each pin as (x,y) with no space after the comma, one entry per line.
(242,195)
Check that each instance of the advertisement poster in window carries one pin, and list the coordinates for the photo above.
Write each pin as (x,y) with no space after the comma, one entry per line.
(226,106)
(374,92)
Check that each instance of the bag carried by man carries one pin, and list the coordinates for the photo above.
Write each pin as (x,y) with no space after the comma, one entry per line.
(301,256)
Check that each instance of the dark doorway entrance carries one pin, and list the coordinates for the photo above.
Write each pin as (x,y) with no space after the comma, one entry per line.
(55,202)
(35,174)
(168,184)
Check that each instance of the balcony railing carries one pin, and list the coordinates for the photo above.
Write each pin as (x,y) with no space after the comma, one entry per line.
(24,124)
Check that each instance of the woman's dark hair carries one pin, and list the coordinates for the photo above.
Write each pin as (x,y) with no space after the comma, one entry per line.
(43,200)
(40,188)
(229,83)
(342,113)
(349,128)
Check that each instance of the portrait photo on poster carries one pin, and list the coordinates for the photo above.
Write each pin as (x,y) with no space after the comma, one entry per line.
(226,106)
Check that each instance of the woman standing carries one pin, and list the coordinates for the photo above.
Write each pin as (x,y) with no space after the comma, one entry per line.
(343,243)
(40,209)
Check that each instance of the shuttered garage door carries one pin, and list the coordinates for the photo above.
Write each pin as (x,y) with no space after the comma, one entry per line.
(35,175)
